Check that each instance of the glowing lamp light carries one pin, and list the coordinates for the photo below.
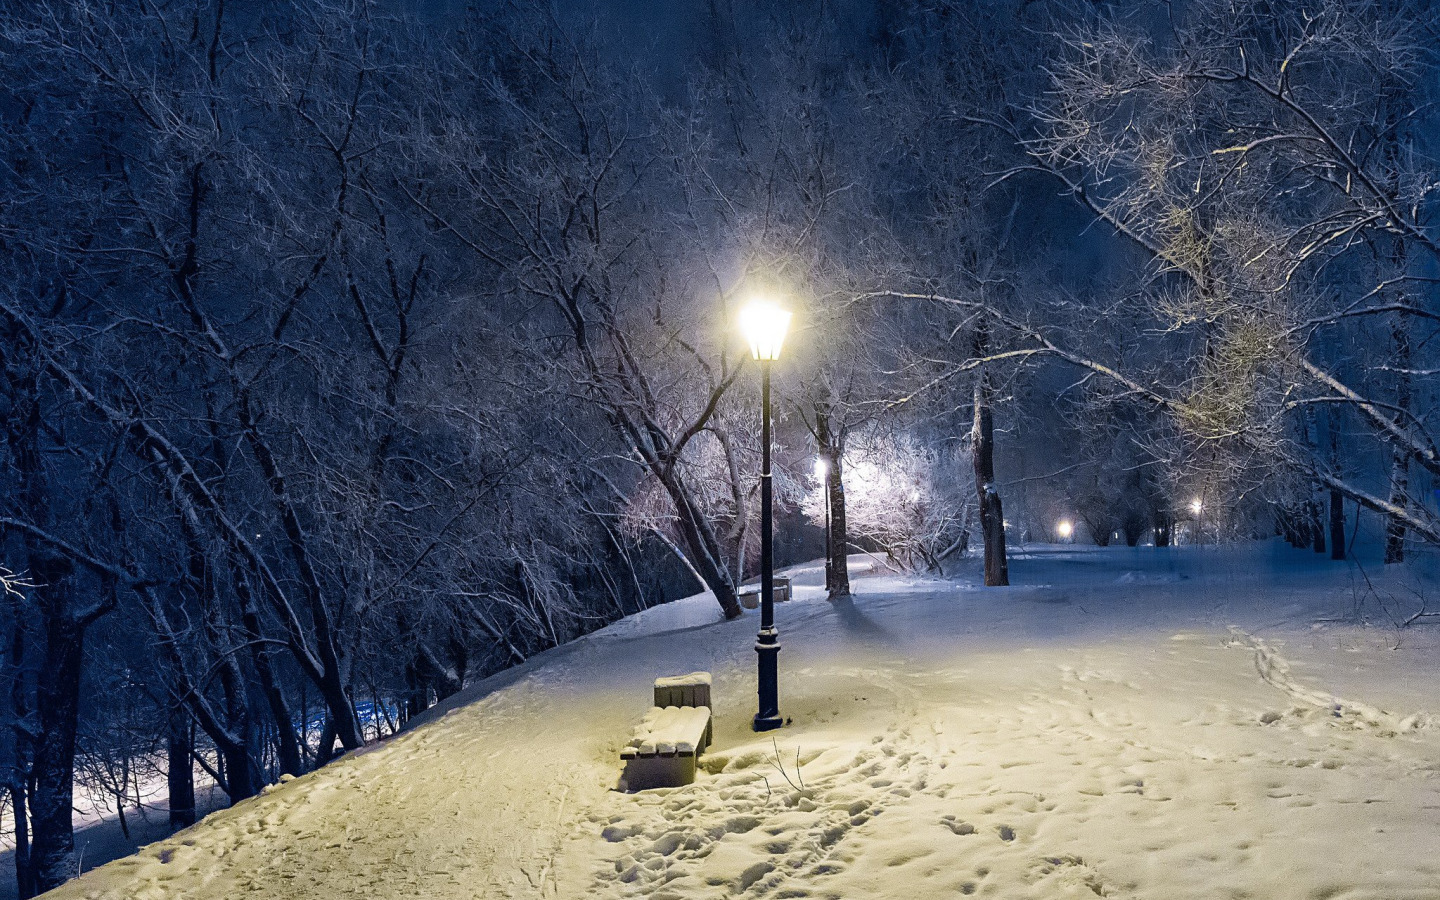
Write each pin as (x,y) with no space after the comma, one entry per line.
(1065,529)
(822,468)
(1196,506)
(763,324)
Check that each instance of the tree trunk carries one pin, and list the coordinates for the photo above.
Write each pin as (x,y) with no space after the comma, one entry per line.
(22,434)
(287,744)
(1101,536)
(839,531)
(1399,496)
(417,695)
(1400,461)
(739,496)
(326,751)
(1317,531)
(1134,529)
(1164,524)
(1337,499)
(242,776)
(24,874)
(19,774)
(1337,524)
(229,730)
(1291,524)
(992,516)
(705,555)
(52,848)
(180,768)
(343,720)
(837,569)
(242,768)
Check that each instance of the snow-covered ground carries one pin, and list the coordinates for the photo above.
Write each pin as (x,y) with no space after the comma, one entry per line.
(1191,722)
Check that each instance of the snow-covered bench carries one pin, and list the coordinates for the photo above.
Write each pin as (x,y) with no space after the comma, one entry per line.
(663,749)
(750,597)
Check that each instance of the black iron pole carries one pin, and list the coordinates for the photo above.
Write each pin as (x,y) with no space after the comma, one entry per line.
(767,642)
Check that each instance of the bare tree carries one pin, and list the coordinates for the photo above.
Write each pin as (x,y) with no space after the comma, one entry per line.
(1243,152)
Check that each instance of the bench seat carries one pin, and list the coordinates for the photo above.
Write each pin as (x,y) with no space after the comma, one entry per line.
(662,750)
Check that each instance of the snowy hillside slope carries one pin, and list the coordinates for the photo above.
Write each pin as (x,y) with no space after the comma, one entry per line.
(1122,723)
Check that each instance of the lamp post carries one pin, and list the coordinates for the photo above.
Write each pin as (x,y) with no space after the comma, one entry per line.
(764,325)
(822,472)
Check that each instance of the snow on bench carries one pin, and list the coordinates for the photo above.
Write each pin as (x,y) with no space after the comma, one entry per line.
(750,598)
(663,748)
(683,690)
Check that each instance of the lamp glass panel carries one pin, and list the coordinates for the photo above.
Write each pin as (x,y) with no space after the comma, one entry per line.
(764,324)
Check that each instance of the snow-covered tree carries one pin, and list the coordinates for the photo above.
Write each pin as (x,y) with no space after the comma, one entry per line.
(913,499)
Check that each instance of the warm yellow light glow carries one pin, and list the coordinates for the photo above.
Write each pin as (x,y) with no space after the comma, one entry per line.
(1065,529)
(1196,506)
(763,324)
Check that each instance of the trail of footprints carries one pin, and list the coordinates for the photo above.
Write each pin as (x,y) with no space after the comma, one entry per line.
(1311,704)
(735,834)
(753,828)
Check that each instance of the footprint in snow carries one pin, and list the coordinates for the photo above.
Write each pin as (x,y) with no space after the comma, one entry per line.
(957,826)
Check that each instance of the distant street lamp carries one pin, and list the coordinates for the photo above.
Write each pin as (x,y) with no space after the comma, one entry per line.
(1065,529)
(822,470)
(764,326)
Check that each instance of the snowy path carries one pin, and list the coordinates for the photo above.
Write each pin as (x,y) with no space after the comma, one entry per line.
(1121,724)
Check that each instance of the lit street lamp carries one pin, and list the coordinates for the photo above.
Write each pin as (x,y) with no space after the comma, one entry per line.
(822,470)
(764,326)
(1065,529)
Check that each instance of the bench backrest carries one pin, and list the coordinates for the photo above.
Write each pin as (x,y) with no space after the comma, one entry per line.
(683,690)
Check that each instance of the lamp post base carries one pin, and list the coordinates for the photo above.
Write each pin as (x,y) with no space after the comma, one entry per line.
(767,648)
(766,723)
